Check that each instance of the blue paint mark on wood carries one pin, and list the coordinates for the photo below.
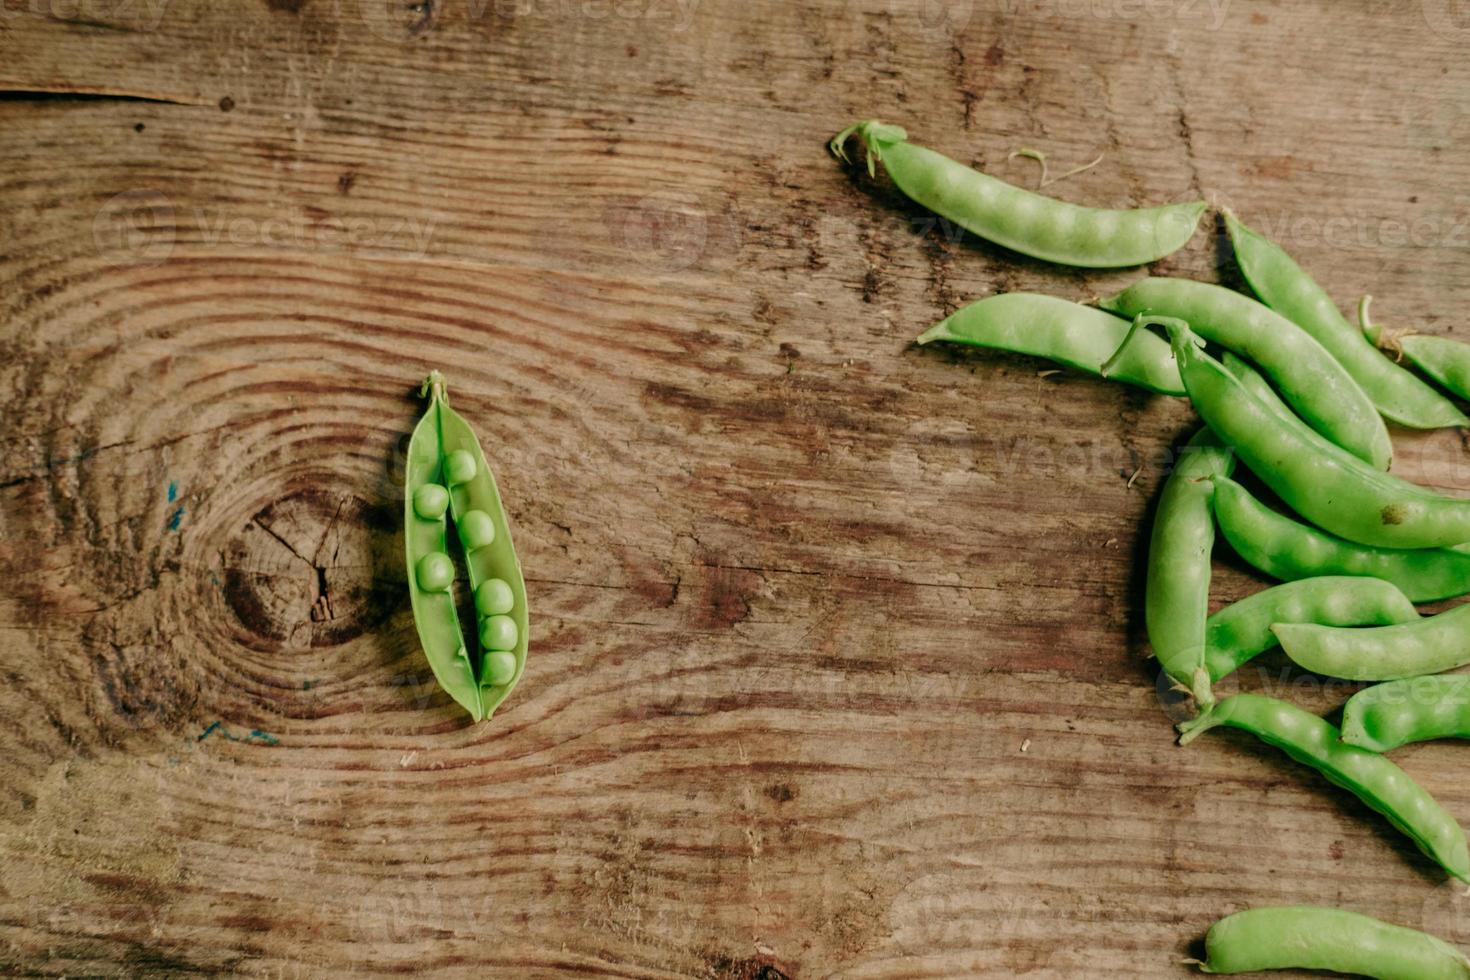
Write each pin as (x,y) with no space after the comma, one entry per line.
(176,518)
(173,491)
(256,735)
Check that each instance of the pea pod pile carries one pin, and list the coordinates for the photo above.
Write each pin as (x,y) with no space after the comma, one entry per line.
(446,477)
(1290,390)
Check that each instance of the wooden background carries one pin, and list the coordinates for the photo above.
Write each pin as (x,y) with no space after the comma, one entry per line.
(837,667)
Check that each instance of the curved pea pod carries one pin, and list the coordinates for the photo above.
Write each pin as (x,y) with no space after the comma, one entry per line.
(431,570)
(1082,337)
(1446,361)
(1242,630)
(1384,653)
(1289,550)
(1370,777)
(1032,224)
(1286,288)
(1312,382)
(1177,590)
(1307,938)
(1385,716)
(1329,486)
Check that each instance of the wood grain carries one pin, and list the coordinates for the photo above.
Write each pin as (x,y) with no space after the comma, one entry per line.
(837,667)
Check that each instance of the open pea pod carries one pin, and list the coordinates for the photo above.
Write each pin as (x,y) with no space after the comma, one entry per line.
(447,478)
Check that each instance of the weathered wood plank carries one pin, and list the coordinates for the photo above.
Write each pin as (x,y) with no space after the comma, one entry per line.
(836,654)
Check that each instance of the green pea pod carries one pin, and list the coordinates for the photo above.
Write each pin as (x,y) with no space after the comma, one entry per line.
(1289,550)
(1284,287)
(1297,937)
(447,474)
(1082,337)
(1032,224)
(1242,630)
(1177,591)
(1257,385)
(1382,653)
(1312,382)
(1330,487)
(1385,716)
(1370,777)
(1446,361)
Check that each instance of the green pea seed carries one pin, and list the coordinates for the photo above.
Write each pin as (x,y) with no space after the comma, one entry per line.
(431,501)
(1297,937)
(494,598)
(500,668)
(460,467)
(498,633)
(435,572)
(1029,223)
(1369,776)
(1082,337)
(476,529)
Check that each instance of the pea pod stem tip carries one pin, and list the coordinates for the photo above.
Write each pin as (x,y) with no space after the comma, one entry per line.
(874,134)
(940,331)
(433,386)
(1195,727)
(1169,323)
